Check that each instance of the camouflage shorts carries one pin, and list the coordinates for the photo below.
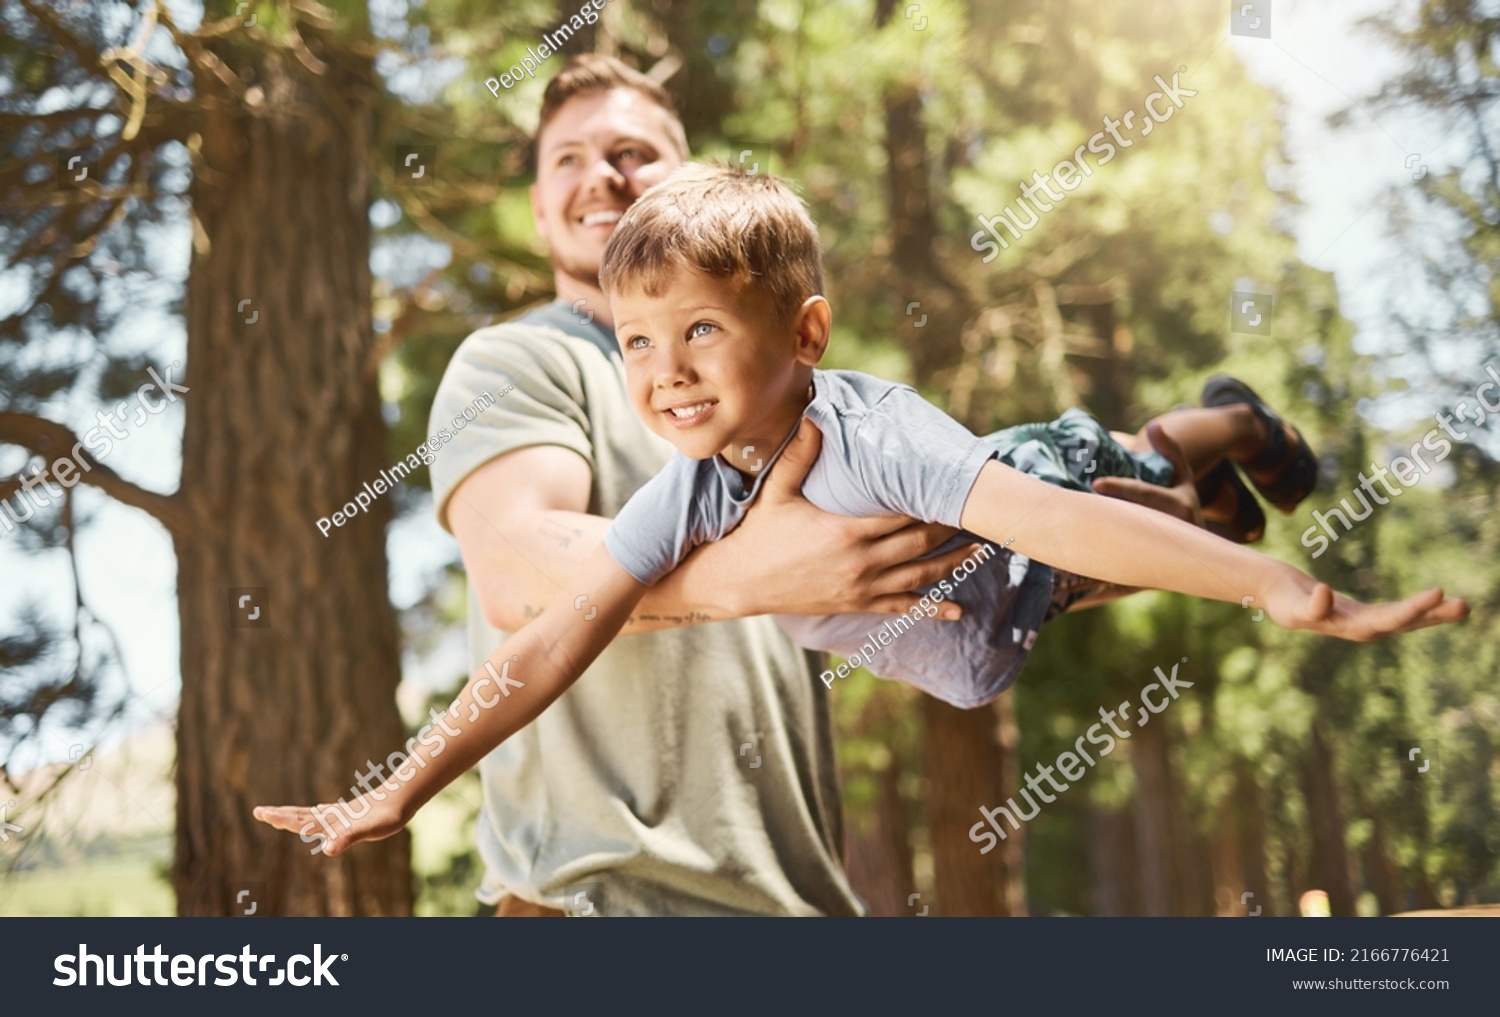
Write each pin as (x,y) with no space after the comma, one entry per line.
(1073,451)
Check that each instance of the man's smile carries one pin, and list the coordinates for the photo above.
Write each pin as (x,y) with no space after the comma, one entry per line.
(602,217)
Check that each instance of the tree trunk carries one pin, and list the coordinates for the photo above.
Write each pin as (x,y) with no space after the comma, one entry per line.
(963,756)
(1380,871)
(1112,870)
(1194,863)
(1239,863)
(1153,820)
(1013,895)
(878,852)
(283,708)
(1330,853)
(963,761)
(1229,884)
(879,860)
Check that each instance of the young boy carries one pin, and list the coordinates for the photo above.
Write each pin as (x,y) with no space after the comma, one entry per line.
(715,285)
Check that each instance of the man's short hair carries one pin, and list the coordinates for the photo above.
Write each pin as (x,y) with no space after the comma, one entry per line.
(719,220)
(594,74)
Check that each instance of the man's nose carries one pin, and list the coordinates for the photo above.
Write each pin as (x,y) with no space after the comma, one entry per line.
(603,175)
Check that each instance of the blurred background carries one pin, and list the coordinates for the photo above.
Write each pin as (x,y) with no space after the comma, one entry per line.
(1321,218)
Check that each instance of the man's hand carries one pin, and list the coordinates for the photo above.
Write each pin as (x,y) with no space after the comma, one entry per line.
(789,557)
(1179,501)
(1303,603)
(383,819)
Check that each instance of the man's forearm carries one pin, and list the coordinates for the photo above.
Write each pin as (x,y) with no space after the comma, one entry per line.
(544,553)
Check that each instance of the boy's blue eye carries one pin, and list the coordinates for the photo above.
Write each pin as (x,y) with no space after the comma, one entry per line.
(693,332)
(631,343)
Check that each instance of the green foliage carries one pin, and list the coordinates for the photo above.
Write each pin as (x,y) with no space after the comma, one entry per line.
(1168,230)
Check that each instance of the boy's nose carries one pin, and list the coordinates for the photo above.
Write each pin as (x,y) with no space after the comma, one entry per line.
(672,369)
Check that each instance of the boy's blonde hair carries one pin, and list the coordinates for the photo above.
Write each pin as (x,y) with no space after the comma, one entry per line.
(717,219)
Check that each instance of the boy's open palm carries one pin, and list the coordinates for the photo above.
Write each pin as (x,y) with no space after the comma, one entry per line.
(1319,608)
(381,821)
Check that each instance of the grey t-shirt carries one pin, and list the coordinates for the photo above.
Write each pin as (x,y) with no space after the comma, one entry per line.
(886,451)
(690,770)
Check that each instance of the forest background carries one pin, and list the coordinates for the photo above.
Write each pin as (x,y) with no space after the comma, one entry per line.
(297,211)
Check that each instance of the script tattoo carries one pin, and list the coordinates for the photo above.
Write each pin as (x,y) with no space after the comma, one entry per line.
(692,618)
(562,536)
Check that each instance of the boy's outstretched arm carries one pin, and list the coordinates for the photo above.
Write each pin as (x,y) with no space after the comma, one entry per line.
(520,680)
(1123,543)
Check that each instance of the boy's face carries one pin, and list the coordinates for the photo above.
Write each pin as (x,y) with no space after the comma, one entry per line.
(594,158)
(710,366)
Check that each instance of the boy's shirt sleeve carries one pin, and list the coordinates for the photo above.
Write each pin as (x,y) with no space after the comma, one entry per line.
(914,459)
(660,524)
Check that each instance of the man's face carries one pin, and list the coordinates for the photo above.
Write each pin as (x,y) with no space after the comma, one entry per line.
(596,156)
(710,366)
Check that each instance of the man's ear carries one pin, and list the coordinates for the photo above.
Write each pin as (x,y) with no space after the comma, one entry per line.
(812,324)
(536,212)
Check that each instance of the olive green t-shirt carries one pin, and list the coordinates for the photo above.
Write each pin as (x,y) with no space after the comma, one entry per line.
(689,771)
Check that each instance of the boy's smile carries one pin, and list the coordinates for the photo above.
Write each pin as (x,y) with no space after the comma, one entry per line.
(709,364)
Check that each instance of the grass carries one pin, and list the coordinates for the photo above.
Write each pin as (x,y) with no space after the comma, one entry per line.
(121,885)
(127,879)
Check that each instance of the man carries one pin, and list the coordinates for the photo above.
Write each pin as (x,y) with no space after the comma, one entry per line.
(690,770)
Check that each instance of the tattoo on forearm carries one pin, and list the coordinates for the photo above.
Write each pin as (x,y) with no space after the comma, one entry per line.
(562,536)
(692,618)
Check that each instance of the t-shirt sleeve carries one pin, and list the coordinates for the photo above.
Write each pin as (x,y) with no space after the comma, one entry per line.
(915,460)
(521,387)
(660,524)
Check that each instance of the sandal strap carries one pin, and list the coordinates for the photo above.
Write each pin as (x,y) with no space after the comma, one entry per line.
(1298,478)
(1249,522)
(1278,449)
(1286,453)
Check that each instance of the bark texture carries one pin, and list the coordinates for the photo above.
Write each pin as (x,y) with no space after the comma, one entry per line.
(282,709)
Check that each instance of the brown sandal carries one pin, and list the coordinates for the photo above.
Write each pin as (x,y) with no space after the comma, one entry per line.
(1287,455)
(1249,522)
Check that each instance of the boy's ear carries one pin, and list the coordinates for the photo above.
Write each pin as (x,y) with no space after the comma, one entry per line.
(814,319)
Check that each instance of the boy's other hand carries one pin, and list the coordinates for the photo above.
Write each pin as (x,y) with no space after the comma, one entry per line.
(381,821)
(1179,501)
(1304,603)
(789,557)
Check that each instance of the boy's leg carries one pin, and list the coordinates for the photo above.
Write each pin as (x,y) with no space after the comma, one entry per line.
(1207,437)
(1237,425)
(1178,496)
(1211,439)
